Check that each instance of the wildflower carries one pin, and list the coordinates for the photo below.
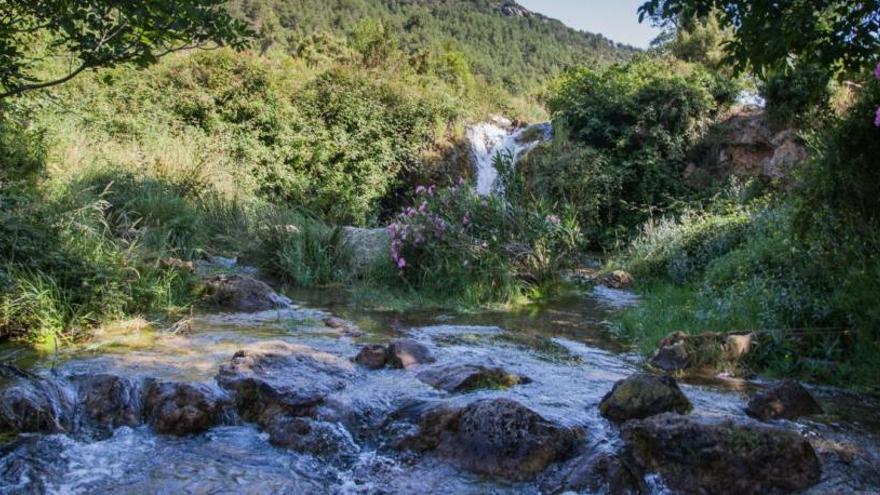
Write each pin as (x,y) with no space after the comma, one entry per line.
(467,219)
(553,219)
(877,118)
(401,263)
(423,208)
(877,71)
(431,190)
(410,212)
(420,190)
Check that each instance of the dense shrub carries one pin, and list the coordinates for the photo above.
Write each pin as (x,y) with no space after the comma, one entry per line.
(796,96)
(623,135)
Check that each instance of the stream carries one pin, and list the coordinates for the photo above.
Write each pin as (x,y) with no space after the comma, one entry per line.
(563,347)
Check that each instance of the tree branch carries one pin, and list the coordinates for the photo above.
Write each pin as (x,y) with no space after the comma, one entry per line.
(46,84)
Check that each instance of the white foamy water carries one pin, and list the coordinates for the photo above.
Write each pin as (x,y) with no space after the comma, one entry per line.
(489,139)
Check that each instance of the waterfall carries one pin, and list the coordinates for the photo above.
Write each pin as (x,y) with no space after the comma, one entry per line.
(488,139)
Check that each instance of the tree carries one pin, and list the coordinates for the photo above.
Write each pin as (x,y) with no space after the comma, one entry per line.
(840,35)
(102,33)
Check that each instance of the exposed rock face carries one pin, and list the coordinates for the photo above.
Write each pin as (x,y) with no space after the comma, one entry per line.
(466,377)
(109,401)
(275,377)
(617,279)
(37,405)
(407,353)
(324,440)
(513,9)
(785,400)
(642,395)
(183,408)
(495,437)
(712,455)
(671,356)
(372,357)
(242,294)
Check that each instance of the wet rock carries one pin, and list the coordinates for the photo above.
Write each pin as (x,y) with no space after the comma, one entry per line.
(108,401)
(642,395)
(347,328)
(467,377)
(184,408)
(617,279)
(242,294)
(495,437)
(786,400)
(407,353)
(37,405)
(671,354)
(596,473)
(372,357)
(323,440)
(697,455)
(276,377)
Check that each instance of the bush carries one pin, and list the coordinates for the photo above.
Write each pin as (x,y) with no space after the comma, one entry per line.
(481,249)
(622,140)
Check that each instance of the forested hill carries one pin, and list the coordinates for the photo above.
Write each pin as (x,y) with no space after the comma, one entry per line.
(503,41)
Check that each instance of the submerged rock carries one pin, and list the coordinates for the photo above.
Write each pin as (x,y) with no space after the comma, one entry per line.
(276,377)
(700,455)
(466,377)
(495,437)
(324,440)
(109,401)
(37,405)
(242,294)
(596,473)
(642,395)
(372,357)
(786,400)
(347,328)
(407,353)
(183,408)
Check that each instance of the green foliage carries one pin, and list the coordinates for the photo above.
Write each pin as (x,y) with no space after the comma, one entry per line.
(799,96)
(622,140)
(518,53)
(832,34)
(101,33)
(697,40)
(481,249)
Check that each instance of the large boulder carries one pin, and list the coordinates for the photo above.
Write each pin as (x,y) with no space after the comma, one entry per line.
(327,441)
(372,357)
(702,455)
(279,378)
(467,377)
(242,294)
(407,353)
(642,395)
(785,400)
(184,408)
(108,401)
(495,437)
(37,405)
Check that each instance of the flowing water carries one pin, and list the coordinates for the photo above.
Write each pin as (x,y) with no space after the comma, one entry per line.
(489,139)
(564,347)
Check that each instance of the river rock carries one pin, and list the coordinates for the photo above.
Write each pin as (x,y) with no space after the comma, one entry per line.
(37,405)
(183,408)
(617,279)
(601,472)
(276,377)
(495,437)
(786,400)
(467,377)
(242,294)
(642,395)
(671,354)
(701,455)
(407,353)
(323,440)
(347,328)
(108,401)
(372,357)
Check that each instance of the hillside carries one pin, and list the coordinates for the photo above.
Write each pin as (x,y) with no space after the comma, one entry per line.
(503,41)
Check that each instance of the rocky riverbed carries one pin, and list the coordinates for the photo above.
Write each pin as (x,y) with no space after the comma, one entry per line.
(321,397)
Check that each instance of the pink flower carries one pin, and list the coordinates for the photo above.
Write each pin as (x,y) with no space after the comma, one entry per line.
(467,219)
(877,118)
(431,190)
(877,71)
(423,208)
(401,263)
(420,190)
(410,212)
